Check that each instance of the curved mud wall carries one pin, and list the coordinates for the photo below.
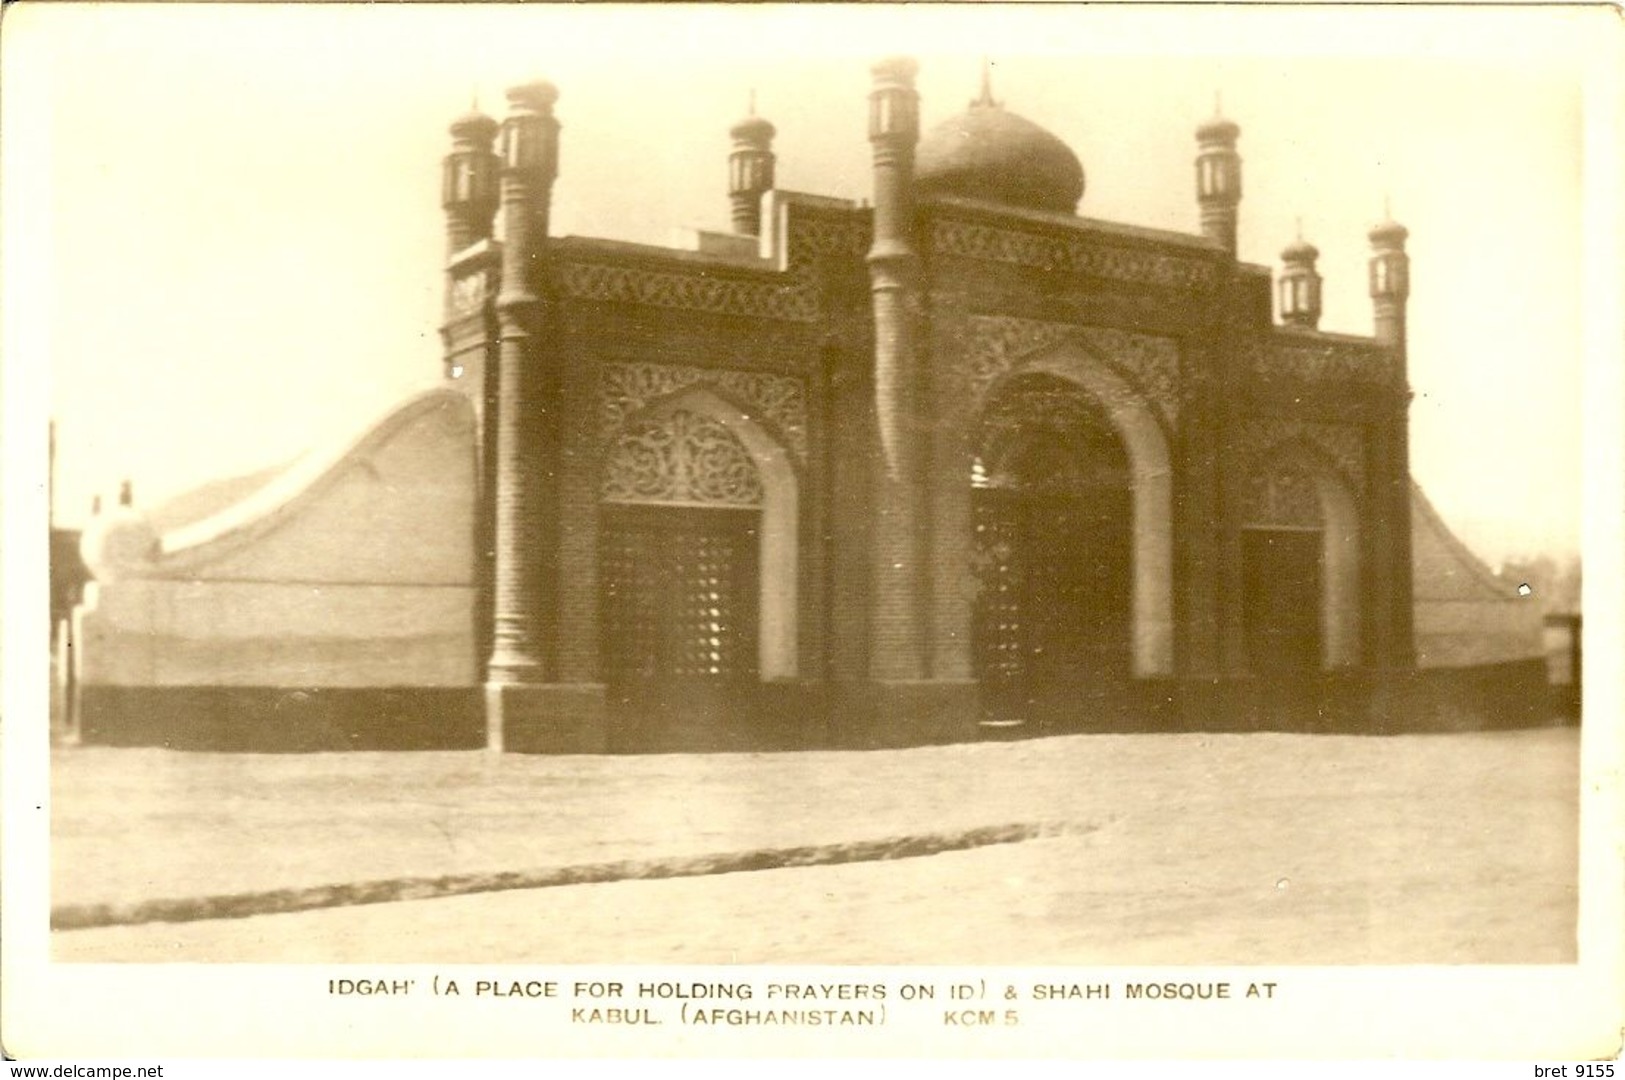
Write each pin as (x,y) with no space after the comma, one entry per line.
(332,609)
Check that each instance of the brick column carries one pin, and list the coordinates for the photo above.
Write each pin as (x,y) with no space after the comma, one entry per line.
(527,707)
(1390,274)
(1392,652)
(897,616)
(530,155)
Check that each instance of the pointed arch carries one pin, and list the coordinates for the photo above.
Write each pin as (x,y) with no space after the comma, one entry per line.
(778,641)
(1340,543)
(1151,483)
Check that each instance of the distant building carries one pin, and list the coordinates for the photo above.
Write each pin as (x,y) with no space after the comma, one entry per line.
(961,464)
(68,577)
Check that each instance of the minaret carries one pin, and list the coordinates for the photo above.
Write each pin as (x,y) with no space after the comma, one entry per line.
(1300,284)
(1218,179)
(1390,281)
(1390,273)
(524,556)
(897,612)
(750,170)
(894,129)
(468,188)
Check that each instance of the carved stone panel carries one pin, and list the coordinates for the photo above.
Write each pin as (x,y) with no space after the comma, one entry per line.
(1343,444)
(792,300)
(1070,254)
(682,457)
(812,234)
(995,343)
(1042,437)
(1331,363)
(626,388)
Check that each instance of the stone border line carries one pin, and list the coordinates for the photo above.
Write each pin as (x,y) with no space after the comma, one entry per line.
(310,898)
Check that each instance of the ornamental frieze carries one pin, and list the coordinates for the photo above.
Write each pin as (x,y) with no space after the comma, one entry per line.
(809,235)
(1323,362)
(791,300)
(682,457)
(624,389)
(995,343)
(1070,254)
(1343,444)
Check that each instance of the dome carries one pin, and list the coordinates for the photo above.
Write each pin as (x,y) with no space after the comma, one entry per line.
(990,153)
(1388,232)
(752,129)
(1216,129)
(537,96)
(474,125)
(1300,250)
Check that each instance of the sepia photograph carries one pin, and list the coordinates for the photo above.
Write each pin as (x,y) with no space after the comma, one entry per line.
(759,518)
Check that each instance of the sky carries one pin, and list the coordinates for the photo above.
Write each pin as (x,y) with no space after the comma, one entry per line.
(235,245)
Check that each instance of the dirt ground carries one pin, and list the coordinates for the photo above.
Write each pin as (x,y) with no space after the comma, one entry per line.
(1198,849)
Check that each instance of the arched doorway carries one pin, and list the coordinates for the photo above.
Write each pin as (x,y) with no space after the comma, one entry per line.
(1053,512)
(1282,574)
(697,572)
(1300,578)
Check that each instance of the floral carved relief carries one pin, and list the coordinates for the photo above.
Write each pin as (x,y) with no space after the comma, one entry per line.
(1323,362)
(811,235)
(680,457)
(1343,444)
(1072,254)
(792,300)
(995,343)
(626,388)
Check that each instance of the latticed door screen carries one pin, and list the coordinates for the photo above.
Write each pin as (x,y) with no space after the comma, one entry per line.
(1054,606)
(1000,640)
(1053,514)
(679,600)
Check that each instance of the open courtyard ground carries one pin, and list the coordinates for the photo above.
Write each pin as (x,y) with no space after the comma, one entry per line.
(1179,849)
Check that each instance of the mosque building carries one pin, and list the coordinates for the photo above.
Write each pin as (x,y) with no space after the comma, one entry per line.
(955,463)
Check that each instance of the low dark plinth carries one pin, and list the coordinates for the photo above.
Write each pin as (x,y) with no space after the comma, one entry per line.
(547,718)
(277,719)
(893,713)
(1486,697)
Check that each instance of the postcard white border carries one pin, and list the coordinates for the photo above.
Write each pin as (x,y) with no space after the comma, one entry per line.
(174,1011)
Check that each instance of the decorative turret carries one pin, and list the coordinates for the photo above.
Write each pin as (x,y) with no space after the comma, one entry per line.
(1300,284)
(750,170)
(1218,179)
(894,129)
(530,164)
(468,189)
(1390,279)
